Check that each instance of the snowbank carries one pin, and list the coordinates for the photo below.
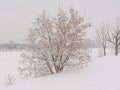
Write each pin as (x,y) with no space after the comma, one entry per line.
(101,74)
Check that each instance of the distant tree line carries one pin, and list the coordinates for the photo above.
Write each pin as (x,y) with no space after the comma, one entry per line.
(12,46)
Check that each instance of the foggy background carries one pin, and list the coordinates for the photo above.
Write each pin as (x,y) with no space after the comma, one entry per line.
(17,16)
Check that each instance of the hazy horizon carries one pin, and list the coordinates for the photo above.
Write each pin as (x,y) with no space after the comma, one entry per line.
(16,17)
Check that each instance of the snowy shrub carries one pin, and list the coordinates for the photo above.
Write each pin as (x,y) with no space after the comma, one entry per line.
(54,42)
(8,80)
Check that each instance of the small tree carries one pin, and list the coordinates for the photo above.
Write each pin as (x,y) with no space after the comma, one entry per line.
(114,35)
(56,42)
(102,36)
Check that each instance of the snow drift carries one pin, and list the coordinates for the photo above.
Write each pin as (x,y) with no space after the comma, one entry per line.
(101,74)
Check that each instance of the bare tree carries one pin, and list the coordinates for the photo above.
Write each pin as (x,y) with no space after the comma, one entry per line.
(56,42)
(102,36)
(114,35)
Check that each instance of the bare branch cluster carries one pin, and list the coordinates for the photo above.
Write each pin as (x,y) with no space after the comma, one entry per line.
(110,33)
(114,35)
(102,36)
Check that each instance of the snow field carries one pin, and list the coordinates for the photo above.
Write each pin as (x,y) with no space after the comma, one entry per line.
(101,74)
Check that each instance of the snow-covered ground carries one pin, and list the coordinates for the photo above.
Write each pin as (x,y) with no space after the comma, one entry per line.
(101,74)
(9,65)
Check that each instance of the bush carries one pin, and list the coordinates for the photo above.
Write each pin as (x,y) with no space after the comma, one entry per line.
(54,42)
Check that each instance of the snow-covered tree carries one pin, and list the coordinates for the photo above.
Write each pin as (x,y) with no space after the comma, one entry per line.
(56,43)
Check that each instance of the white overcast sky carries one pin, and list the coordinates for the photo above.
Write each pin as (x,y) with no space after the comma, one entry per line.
(17,16)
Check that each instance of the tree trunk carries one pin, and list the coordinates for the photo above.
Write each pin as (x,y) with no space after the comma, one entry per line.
(49,67)
(104,50)
(58,70)
(116,50)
